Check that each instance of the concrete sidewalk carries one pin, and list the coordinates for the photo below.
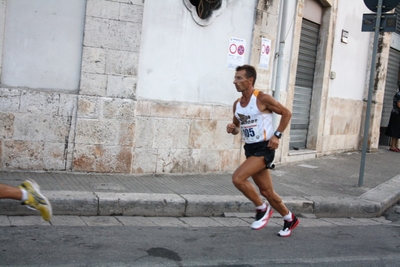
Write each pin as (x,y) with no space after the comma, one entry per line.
(326,187)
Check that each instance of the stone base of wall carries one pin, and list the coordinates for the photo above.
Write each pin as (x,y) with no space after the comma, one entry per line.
(36,129)
(184,137)
(342,126)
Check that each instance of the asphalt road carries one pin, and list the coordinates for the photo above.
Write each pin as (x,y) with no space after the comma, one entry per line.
(313,243)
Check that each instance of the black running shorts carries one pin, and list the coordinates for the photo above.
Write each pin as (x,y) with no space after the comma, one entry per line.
(258,150)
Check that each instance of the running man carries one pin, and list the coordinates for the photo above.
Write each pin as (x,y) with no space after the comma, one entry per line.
(253,118)
(29,194)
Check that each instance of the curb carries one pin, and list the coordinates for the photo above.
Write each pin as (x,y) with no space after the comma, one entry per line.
(371,204)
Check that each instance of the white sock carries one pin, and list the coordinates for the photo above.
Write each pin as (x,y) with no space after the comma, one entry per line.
(24,195)
(288,217)
(262,207)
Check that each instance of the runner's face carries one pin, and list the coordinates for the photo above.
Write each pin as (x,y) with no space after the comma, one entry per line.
(241,82)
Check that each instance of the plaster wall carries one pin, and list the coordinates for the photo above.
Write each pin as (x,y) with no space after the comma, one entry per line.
(182,61)
(350,60)
(43,44)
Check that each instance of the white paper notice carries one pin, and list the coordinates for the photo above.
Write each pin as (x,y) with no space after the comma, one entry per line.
(265,53)
(237,48)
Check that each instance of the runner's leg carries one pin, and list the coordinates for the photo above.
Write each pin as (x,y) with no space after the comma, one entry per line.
(240,177)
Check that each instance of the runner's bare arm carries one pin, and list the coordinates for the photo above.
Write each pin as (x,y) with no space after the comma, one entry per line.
(274,106)
(233,127)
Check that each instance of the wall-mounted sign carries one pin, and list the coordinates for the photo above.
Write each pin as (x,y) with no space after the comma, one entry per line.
(265,53)
(236,51)
(345,36)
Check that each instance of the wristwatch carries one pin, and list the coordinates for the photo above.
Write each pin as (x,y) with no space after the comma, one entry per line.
(278,134)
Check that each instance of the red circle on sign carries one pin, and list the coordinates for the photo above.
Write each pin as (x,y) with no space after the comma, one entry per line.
(232,48)
(241,50)
(267,49)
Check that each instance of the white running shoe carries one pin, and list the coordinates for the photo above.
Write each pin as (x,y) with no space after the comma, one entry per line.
(288,226)
(262,217)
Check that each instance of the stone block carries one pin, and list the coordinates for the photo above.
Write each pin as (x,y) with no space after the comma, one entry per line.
(89,107)
(188,160)
(144,132)
(299,205)
(73,203)
(93,84)
(222,113)
(174,160)
(97,132)
(198,112)
(63,202)
(143,108)
(103,9)
(103,159)
(119,109)
(168,109)
(132,12)
(139,204)
(131,2)
(33,155)
(122,63)
(203,205)
(112,34)
(6,125)
(126,134)
(43,103)
(333,207)
(203,134)
(13,208)
(121,86)
(209,134)
(230,159)
(387,194)
(41,128)
(171,133)
(204,160)
(9,100)
(144,160)
(94,60)
(68,105)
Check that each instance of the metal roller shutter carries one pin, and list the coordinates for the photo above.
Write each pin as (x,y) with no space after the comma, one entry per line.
(391,85)
(304,84)
(392,77)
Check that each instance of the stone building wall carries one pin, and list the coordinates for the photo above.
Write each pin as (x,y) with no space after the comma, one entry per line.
(104,127)
(105,124)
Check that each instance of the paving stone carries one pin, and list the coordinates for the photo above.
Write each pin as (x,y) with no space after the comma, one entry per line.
(135,221)
(62,220)
(200,221)
(27,221)
(167,221)
(101,221)
(4,221)
(231,222)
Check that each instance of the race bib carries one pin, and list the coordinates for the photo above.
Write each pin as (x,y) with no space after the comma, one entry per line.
(250,133)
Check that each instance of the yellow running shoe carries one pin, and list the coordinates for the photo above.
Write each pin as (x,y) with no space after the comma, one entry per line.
(36,200)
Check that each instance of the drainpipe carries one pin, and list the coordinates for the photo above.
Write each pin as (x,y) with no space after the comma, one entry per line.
(282,29)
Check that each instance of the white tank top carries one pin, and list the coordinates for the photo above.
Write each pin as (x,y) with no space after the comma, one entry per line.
(254,125)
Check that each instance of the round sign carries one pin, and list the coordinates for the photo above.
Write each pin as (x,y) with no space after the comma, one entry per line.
(387,5)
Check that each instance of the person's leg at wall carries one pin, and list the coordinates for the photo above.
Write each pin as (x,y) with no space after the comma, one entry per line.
(393,145)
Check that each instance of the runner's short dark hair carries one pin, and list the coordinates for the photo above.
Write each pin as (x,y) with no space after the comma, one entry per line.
(250,72)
